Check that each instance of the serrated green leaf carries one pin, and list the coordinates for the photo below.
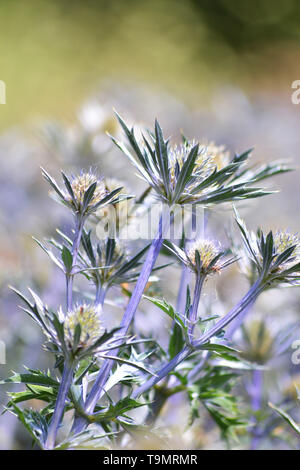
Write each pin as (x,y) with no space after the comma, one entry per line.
(67,259)
(176,342)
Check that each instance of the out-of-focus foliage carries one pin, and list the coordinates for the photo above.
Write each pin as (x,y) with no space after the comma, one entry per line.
(54,53)
(220,70)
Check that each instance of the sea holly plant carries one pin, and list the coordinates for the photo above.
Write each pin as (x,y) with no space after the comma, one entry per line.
(91,363)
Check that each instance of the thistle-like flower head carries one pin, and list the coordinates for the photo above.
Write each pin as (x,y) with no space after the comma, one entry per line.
(192,173)
(90,328)
(284,240)
(208,251)
(217,153)
(178,155)
(259,343)
(276,258)
(80,184)
(84,193)
(203,257)
(263,340)
(75,334)
(111,255)
(108,262)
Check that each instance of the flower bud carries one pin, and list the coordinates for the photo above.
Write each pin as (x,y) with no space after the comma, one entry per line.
(81,184)
(91,329)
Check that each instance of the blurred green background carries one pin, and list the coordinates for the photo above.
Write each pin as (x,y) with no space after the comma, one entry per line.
(52,54)
(218,69)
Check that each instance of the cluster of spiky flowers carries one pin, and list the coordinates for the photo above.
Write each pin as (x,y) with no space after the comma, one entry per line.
(83,321)
(189,173)
(203,256)
(192,173)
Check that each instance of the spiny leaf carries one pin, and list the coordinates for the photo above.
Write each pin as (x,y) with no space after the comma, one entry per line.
(67,258)
(286,417)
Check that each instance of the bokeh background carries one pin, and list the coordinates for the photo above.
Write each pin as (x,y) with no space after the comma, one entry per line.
(219,70)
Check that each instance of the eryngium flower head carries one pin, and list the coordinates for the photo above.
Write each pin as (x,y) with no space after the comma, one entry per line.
(192,173)
(74,335)
(80,184)
(276,258)
(217,153)
(285,240)
(108,256)
(259,344)
(84,193)
(87,317)
(263,341)
(203,256)
(108,262)
(208,251)
(178,155)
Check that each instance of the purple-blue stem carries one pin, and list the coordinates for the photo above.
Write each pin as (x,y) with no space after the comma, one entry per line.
(249,298)
(68,372)
(256,389)
(229,334)
(165,370)
(65,384)
(184,282)
(100,295)
(235,325)
(251,295)
(195,371)
(132,306)
(79,221)
(194,309)
(181,299)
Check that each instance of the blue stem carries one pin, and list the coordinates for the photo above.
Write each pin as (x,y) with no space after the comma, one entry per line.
(100,295)
(165,370)
(75,249)
(194,311)
(65,384)
(132,306)
(184,281)
(252,294)
(249,298)
(256,401)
